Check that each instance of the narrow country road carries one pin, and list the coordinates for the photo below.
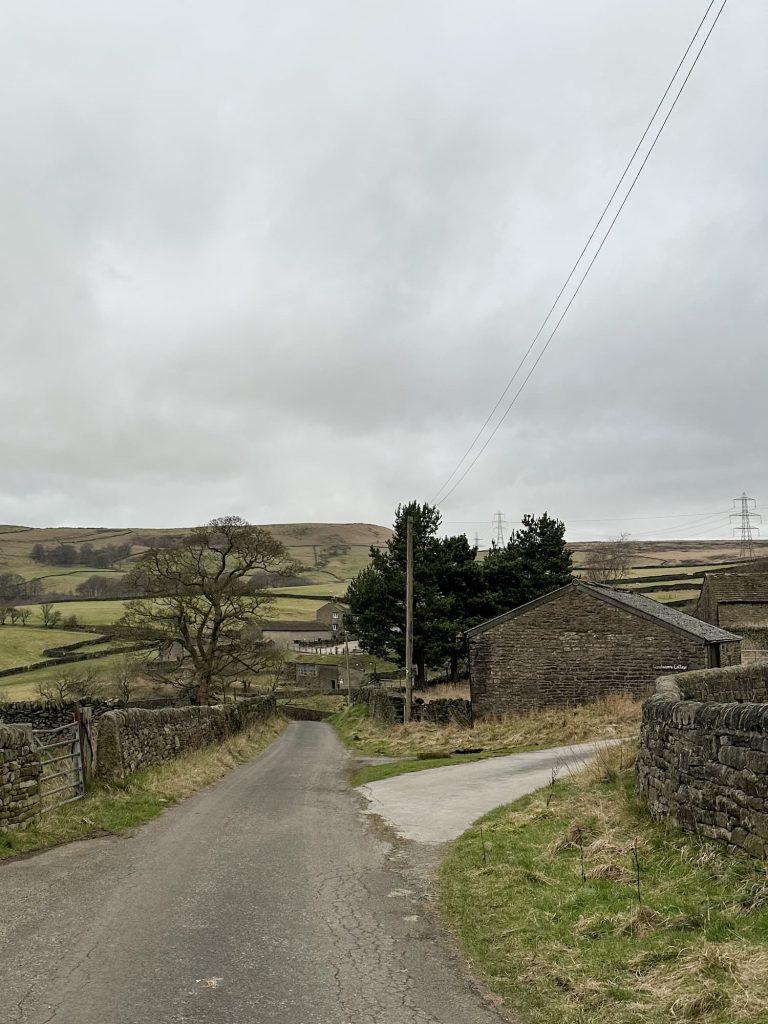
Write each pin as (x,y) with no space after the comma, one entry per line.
(264,900)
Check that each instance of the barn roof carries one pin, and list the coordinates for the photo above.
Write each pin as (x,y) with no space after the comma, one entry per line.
(731,586)
(294,626)
(635,603)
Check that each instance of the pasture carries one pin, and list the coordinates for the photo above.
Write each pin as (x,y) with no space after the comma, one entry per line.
(24,645)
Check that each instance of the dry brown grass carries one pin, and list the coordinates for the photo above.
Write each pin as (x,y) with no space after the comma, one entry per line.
(707,977)
(608,718)
(445,691)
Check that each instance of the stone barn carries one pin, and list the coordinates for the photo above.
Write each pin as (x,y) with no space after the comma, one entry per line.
(312,674)
(585,641)
(738,600)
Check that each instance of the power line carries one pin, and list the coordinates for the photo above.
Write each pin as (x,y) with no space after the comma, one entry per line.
(437,498)
(605,519)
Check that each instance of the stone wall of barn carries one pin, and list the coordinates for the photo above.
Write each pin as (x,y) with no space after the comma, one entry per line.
(740,614)
(704,763)
(570,650)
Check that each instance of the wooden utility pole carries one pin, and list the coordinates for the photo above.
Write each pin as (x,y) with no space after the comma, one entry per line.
(409,621)
(349,677)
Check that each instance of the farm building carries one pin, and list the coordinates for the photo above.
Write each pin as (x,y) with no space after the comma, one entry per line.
(332,615)
(287,634)
(738,600)
(324,677)
(734,600)
(585,641)
(326,628)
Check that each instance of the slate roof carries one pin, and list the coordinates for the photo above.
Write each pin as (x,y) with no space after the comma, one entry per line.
(638,604)
(295,626)
(725,587)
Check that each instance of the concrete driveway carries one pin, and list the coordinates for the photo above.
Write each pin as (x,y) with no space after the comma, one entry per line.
(438,804)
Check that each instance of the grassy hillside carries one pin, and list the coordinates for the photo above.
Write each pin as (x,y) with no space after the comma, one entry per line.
(331,553)
(670,571)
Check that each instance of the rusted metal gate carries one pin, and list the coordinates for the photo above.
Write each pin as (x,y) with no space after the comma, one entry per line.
(60,752)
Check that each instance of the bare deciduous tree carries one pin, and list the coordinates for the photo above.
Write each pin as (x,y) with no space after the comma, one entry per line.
(200,596)
(610,560)
(127,675)
(70,684)
(51,616)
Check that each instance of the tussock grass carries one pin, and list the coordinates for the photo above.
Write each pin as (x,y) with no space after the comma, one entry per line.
(694,948)
(608,718)
(446,691)
(113,807)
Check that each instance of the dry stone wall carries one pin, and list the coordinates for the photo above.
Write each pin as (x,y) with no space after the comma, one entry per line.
(389,707)
(704,763)
(40,714)
(20,772)
(134,738)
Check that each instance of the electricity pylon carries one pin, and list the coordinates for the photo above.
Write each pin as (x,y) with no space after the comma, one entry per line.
(745,529)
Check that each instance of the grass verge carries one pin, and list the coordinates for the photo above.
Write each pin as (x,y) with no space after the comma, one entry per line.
(421,745)
(543,894)
(113,807)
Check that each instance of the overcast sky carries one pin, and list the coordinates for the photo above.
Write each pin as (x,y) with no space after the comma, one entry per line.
(278,260)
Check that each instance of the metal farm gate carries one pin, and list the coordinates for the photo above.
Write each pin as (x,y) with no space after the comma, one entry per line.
(61,755)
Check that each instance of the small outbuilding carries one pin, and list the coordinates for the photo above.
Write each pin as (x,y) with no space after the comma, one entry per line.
(313,674)
(733,599)
(585,641)
(738,600)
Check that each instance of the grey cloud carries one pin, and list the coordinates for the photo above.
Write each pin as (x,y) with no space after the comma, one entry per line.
(280,260)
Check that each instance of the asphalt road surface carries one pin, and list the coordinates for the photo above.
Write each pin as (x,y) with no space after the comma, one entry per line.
(267,899)
(437,805)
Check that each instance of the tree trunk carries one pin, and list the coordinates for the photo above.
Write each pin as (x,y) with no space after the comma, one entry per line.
(421,674)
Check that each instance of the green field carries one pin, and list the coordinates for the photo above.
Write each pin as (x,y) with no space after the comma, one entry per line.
(296,609)
(24,645)
(24,686)
(88,613)
(330,590)
(106,613)
(672,596)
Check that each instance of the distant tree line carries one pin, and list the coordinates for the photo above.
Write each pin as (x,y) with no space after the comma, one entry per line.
(15,588)
(453,590)
(68,554)
(114,587)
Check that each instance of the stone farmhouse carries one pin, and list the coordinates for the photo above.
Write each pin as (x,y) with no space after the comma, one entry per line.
(332,614)
(585,641)
(326,628)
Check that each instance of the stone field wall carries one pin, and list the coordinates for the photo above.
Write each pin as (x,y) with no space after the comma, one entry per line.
(389,707)
(20,772)
(703,763)
(130,739)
